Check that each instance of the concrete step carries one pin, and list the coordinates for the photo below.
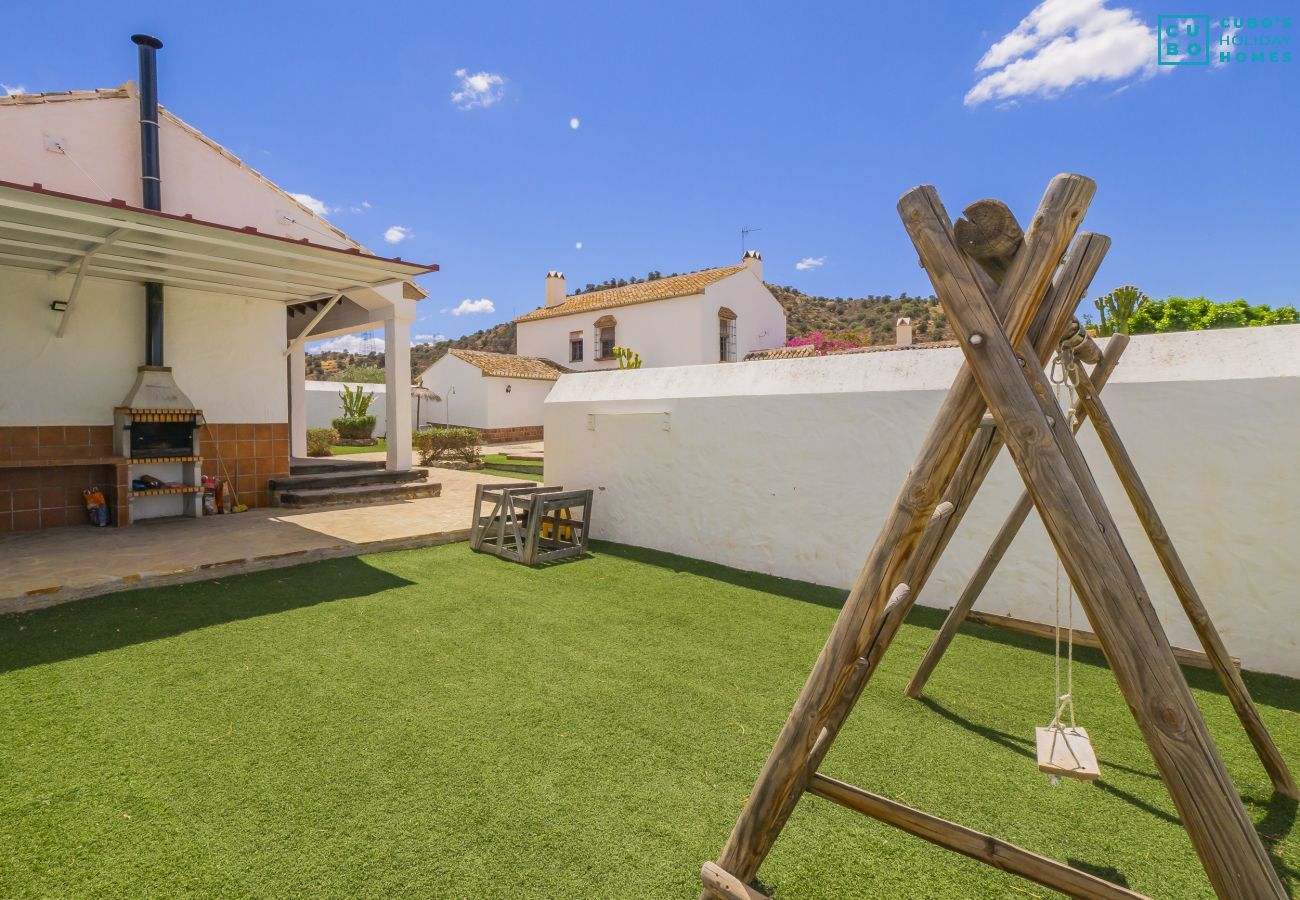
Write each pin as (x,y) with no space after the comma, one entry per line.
(319,465)
(300,498)
(347,478)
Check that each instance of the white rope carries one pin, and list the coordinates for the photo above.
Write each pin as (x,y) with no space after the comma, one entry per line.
(1063,703)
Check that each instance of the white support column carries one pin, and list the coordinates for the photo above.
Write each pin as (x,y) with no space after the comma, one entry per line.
(397,393)
(297,364)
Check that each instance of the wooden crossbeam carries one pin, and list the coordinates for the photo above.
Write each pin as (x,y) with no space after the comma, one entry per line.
(987,849)
(1194,658)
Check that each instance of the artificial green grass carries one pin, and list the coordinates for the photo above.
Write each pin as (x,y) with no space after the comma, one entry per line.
(500,459)
(381,446)
(436,723)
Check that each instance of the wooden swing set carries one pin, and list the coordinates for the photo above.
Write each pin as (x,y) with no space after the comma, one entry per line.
(1009,296)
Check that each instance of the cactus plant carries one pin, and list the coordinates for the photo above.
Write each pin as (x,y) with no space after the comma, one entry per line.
(1118,308)
(627,358)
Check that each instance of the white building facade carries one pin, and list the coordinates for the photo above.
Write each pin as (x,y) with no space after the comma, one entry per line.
(500,394)
(711,316)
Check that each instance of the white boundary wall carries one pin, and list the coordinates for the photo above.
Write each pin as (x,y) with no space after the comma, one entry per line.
(324,404)
(790,466)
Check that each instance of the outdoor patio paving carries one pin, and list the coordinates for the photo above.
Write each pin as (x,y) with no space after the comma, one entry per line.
(42,568)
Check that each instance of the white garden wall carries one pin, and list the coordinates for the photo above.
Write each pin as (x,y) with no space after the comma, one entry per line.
(324,405)
(790,466)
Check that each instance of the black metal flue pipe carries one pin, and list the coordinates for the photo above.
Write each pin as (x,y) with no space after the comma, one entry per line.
(151,185)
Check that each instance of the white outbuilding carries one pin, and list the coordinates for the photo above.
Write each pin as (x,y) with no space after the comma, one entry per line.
(500,394)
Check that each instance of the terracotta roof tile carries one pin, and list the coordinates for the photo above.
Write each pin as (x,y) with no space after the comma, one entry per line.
(881,348)
(781,353)
(508,365)
(807,350)
(641,292)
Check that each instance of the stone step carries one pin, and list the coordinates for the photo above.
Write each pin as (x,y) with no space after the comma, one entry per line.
(300,498)
(347,478)
(298,466)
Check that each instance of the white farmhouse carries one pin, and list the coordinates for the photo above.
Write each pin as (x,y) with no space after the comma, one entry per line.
(156,294)
(500,394)
(710,316)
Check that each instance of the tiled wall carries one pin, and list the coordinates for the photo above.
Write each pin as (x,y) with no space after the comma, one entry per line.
(250,454)
(34,496)
(37,496)
(50,497)
(34,442)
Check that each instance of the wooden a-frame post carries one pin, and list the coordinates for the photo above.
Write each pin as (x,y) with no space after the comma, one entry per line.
(1000,368)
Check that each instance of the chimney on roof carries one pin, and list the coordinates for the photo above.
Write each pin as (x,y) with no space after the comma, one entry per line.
(753,260)
(555,288)
(903,333)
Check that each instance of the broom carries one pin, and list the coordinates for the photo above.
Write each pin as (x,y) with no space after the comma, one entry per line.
(237,507)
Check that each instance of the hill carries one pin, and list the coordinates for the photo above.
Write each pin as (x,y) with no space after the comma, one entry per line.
(326,366)
(869,320)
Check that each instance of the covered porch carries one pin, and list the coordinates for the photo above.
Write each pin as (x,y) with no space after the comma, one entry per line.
(83,300)
(387,308)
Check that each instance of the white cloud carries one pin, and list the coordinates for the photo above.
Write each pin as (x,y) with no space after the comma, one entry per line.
(469,307)
(577,245)
(1063,43)
(479,89)
(574,123)
(365,204)
(317,206)
(810,262)
(11,89)
(349,343)
(428,338)
(397,234)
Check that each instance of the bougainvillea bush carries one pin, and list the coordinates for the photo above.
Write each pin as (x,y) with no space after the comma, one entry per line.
(825,342)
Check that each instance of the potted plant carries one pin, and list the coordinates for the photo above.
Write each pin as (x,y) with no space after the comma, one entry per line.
(355,427)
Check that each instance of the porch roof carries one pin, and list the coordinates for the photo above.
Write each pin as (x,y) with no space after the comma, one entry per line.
(67,234)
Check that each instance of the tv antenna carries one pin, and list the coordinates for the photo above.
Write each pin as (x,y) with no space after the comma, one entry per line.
(744,233)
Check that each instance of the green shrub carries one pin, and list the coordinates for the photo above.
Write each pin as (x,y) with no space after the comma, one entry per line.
(354,428)
(320,440)
(437,444)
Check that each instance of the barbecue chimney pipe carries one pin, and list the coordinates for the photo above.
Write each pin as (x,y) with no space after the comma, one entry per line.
(151,185)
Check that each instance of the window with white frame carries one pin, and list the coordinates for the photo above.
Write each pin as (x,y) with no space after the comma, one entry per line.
(575,346)
(726,335)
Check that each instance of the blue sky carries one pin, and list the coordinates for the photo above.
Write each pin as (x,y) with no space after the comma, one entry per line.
(695,119)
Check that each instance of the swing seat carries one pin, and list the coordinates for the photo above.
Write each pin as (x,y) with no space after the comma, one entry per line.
(1055,758)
